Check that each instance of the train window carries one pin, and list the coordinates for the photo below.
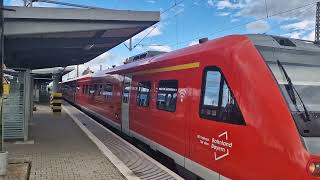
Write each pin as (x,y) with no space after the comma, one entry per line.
(83,89)
(100,88)
(95,88)
(78,88)
(126,91)
(230,111)
(217,100)
(87,89)
(210,98)
(91,90)
(143,94)
(108,91)
(167,95)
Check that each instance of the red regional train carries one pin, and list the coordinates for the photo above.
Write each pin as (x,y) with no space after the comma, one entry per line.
(237,107)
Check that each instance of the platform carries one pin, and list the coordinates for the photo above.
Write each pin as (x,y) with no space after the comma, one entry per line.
(134,164)
(71,145)
(58,149)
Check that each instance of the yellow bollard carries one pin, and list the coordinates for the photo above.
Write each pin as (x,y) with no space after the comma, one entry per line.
(56,101)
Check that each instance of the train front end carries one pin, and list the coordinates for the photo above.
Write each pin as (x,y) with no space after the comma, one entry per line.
(295,65)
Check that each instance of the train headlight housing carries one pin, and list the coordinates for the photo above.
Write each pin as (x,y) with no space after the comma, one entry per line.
(314,168)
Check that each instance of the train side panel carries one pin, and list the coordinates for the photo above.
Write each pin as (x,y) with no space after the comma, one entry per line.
(166,128)
(104,98)
(229,120)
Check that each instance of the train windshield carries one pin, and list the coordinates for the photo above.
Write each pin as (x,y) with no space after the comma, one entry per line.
(300,85)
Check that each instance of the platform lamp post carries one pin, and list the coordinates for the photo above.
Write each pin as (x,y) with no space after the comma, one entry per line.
(1,72)
(317,29)
(3,154)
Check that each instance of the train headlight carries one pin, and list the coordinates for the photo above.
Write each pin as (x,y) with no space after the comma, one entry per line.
(314,169)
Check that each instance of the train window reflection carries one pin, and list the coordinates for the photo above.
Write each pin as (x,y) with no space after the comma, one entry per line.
(210,99)
(230,111)
(167,95)
(87,89)
(100,90)
(91,90)
(108,91)
(211,95)
(143,94)
(95,88)
(217,100)
(126,91)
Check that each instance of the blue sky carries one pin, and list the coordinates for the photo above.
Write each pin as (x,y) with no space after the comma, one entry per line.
(182,25)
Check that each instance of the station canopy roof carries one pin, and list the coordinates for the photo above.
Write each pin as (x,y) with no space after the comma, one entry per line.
(38,38)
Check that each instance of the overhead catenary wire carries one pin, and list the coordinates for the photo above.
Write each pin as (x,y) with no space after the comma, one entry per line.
(171,7)
(259,19)
(240,25)
(155,26)
(294,29)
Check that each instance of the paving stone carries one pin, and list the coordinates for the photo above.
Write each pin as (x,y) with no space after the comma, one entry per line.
(141,166)
(61,150)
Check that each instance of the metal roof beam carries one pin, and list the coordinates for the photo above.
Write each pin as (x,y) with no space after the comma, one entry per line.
(54,43)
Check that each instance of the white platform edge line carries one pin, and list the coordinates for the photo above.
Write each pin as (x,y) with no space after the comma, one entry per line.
(173,174)
(124,170)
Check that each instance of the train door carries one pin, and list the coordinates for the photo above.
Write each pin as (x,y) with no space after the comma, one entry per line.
(75,92)
(216,126)
(125,104)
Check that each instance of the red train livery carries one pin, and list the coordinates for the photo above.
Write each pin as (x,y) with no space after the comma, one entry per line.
(237,107)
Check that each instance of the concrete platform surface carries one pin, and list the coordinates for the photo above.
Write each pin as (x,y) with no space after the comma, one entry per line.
(61,151)
(138,165)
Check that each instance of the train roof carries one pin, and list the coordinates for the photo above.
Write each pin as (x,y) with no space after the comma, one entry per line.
(271,47)
(287,50)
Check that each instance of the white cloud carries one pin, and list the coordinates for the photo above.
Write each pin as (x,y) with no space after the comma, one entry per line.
(151,1)
(178,9)
(295,35)
(196,3)
(302,25)
(160,48)
(210,3)
(257,8)
(307,35)
(234,20)
(34,4)
(294,17)
(258,27)
(226,4)
(224,14)
(41,4)
(149,32)
(193,43)
(106,60)
(16,3)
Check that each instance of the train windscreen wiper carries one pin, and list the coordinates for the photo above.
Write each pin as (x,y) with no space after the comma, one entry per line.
(292,90)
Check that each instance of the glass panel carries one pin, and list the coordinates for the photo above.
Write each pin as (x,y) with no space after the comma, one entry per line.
(126,91)
(167,95)
(108,91)
(230,111)
(219,103)
(91,90)
(211,95)
(143,93)
(306,84)
(100,90)
(306,81)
